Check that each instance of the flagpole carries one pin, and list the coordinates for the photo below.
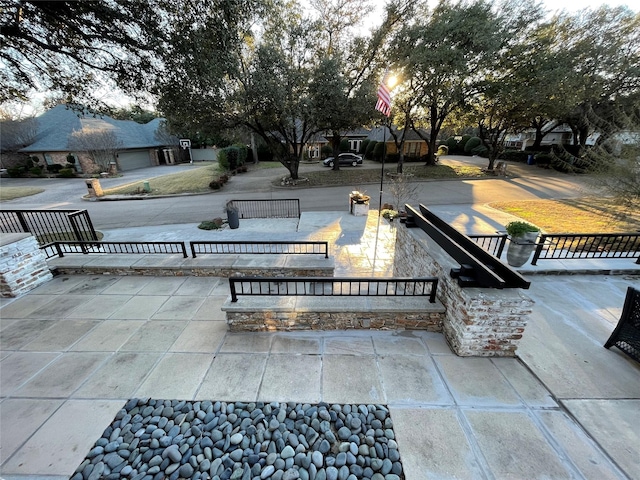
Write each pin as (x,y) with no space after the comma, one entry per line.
(384,154)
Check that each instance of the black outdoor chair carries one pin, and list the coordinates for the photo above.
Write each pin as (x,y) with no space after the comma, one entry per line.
(626,336)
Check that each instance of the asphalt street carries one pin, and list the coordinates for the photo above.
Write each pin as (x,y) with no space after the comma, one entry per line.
(522,182)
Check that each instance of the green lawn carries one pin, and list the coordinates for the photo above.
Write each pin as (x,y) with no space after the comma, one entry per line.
(11,193)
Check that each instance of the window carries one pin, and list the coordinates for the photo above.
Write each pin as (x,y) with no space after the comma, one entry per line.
(354,145)
(48,159)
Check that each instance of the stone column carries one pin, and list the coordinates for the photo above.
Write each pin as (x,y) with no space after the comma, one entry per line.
(478,321)
(23,266)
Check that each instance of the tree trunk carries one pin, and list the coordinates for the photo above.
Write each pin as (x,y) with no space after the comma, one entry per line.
(335,145)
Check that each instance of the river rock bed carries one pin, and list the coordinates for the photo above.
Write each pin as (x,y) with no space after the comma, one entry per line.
(177,439)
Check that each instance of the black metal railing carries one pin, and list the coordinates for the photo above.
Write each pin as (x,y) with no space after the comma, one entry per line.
(333,286)
(61,248)
(493,244)
(276,208)
(49,225)
(267,247)
(587,245)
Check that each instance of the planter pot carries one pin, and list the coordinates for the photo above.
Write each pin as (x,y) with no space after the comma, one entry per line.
(520,249)
(233,218)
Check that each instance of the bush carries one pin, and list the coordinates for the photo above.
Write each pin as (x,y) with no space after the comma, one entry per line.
(480,150)
(54,168)
(15,172)
(452,144)
(242,153)
(472,143)
(519,228)
(378,151)
(463,142)
(363,147)
(36,171)
(264,154)
(326,151)
(223,161)
(370,148)
(215,185)
(344,145)
(543,159)
(66,173)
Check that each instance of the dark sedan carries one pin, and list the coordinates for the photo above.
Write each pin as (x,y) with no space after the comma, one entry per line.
(344,159)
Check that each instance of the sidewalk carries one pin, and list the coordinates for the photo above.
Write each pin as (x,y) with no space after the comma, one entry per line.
(73,351)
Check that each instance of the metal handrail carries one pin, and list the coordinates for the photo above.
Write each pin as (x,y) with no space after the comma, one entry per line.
(334,286)
(587,245)
(268,208)
(266,247)
(494,244)
(61,248)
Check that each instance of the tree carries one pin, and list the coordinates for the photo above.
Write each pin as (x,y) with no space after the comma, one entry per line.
(441,58)
(101,145)
(75,47)
(344,85)
(600,49)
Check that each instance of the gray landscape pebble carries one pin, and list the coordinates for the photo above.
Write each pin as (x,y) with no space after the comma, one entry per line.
(178,439)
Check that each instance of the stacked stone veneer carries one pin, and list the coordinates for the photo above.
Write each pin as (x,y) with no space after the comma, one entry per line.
(23,266)
(251,314)
(478,321)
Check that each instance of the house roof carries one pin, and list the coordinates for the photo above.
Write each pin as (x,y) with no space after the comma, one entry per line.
(56,126)
(379,134)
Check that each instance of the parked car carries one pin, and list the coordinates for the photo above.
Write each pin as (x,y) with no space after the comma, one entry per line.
(344,159)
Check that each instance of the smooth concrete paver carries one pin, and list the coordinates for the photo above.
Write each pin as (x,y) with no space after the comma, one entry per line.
(566,409)
(614,423)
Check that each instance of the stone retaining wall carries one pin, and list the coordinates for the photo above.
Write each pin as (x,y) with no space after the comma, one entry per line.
(293,321)
(23,266)
(479,321)
(290,313)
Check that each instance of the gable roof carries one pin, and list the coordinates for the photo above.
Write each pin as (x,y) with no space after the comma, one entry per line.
(379,134)
(56,126)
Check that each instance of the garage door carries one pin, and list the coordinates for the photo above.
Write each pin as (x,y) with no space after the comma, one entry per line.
(132,160)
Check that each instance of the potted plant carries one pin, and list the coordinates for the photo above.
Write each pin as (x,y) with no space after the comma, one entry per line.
(522,236)
(359,203)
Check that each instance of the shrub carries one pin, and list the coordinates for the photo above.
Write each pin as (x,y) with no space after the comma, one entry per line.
(242,153)
(223,161)
(36,171)
(66,173)
(463,142)
(54,168)
(264,154)
(519,228)
(378,151)
(15,172)
(480,150)
(363,147)
(452,143)
(543,159)
(472,143)
(370,148)
(344,145)
(215,185)
(326,151)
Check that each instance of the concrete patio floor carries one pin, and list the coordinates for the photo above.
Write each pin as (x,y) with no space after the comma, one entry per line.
(75,349)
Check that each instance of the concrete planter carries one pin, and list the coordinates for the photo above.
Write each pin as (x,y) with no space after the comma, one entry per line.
(359,205)
(520,248)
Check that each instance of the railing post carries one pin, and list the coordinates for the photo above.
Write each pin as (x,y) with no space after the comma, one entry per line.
(23,222)
(434,287)
(232,288)
(193,249)
(184,250)
(58,249)
(538,251)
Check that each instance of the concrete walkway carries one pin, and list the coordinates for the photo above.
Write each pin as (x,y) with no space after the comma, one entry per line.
(74,350)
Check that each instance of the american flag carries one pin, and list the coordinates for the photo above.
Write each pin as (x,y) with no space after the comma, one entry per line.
(383,105)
